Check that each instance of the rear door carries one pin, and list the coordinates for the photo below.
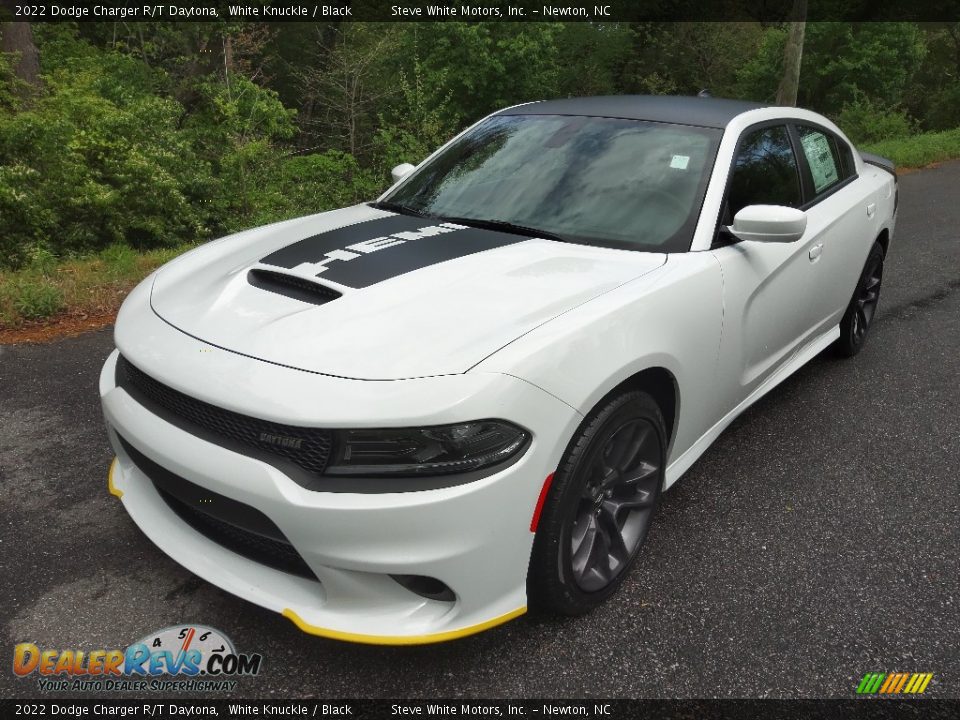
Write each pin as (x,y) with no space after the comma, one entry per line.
(842,219)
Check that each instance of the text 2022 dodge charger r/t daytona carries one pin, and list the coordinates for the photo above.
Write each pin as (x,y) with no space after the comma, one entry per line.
(406,421)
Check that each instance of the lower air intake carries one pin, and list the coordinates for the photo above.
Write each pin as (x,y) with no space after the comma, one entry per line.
(234,525)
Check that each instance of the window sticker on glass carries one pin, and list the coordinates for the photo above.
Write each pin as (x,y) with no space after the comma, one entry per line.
(680,162)
(823,167)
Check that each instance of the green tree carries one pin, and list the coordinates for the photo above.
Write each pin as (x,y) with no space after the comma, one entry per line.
(934,95)
(684,58)
(416,125)
(591,58)
(348,85)
(845,61)
(486,66)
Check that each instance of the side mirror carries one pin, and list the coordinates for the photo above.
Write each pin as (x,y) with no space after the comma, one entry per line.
(769,223)
(401,171)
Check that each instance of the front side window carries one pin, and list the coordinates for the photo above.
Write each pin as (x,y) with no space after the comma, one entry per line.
(823,159)
(598,181)
(765,172)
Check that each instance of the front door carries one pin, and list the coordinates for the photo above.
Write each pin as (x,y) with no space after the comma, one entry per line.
(770,289)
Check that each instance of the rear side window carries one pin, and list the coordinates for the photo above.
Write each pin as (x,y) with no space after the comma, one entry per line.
(764,172)
(823,158)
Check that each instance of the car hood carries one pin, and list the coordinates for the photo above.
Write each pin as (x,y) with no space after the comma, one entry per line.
(363,293)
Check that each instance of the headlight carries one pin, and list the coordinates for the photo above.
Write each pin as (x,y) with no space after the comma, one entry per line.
(438,450)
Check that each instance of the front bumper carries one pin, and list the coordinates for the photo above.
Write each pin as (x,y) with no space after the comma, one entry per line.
(474,537)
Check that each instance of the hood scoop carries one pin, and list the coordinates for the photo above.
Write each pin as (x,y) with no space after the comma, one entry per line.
(293,286)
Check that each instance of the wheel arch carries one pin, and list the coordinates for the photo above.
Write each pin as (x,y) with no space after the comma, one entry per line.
(551,583)
(884,239)
(661,384)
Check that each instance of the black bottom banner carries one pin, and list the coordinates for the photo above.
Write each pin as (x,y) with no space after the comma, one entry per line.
(659,709)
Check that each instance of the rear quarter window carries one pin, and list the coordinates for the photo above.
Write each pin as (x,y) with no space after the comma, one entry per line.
(846,159)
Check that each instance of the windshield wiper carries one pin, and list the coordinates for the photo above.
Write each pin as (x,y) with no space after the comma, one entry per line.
(398,208)
(503,226)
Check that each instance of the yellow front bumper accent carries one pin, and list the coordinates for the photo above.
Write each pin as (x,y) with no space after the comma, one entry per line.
(110,486)
(401,639)
(363,638)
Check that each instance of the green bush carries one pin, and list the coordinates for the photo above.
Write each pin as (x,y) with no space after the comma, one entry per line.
(27,217)
(307,184)
(944,112)
(42,261)
(104,156)
(82,172)
(868,122)
(120,261)
(10,85)
(35,298)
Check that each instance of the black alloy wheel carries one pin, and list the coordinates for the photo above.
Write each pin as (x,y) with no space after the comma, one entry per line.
(600,506)
(616,504)
(863,305)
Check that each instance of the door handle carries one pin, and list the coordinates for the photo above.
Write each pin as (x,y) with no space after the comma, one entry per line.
(815,251)
(871,209)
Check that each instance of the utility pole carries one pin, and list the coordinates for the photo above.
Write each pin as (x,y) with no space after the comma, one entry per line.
(793,55)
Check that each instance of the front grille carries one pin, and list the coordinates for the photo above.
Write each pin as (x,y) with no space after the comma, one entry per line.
(307,447)
(234,525)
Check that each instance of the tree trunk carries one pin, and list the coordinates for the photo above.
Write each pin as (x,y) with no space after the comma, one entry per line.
(953,30)
(228,63)
(17,37)
(793,55)
(228,54)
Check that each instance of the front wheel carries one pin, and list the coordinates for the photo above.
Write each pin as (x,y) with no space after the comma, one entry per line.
(598,512)
(860,312)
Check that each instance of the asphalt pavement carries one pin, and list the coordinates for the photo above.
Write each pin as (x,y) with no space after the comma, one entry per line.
(817,540)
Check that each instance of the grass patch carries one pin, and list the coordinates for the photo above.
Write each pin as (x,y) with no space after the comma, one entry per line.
(93,285)
(919,150)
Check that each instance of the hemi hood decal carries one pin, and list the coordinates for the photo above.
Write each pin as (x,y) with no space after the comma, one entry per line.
(369,252)
(431,299)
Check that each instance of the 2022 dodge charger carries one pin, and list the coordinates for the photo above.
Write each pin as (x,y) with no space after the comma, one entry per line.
(407,420)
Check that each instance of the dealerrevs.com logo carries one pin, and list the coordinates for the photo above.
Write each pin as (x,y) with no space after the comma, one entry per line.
(181,658)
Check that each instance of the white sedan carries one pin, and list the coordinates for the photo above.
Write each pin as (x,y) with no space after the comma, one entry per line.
(413,419)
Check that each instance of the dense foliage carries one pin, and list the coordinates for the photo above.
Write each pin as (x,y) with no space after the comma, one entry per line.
(155,135)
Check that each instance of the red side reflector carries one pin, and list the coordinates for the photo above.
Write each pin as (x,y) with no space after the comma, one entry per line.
(540,500)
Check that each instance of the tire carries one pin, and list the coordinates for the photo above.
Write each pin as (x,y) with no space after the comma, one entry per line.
(607,487)
(859,315)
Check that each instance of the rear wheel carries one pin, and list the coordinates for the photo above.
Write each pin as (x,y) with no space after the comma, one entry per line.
(860,312)
(600,505)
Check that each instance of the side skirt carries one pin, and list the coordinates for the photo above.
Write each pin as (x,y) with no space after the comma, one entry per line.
(683,463)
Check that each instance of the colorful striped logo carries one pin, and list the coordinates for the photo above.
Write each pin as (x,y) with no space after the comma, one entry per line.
(894,683)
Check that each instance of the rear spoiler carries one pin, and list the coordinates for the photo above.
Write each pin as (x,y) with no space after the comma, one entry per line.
(880,162)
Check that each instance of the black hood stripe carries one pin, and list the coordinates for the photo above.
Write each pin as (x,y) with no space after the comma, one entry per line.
(369,252)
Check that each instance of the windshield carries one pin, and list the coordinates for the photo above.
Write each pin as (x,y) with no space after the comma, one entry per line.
(598,181)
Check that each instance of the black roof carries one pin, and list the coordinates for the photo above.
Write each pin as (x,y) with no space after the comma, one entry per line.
(702,111)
